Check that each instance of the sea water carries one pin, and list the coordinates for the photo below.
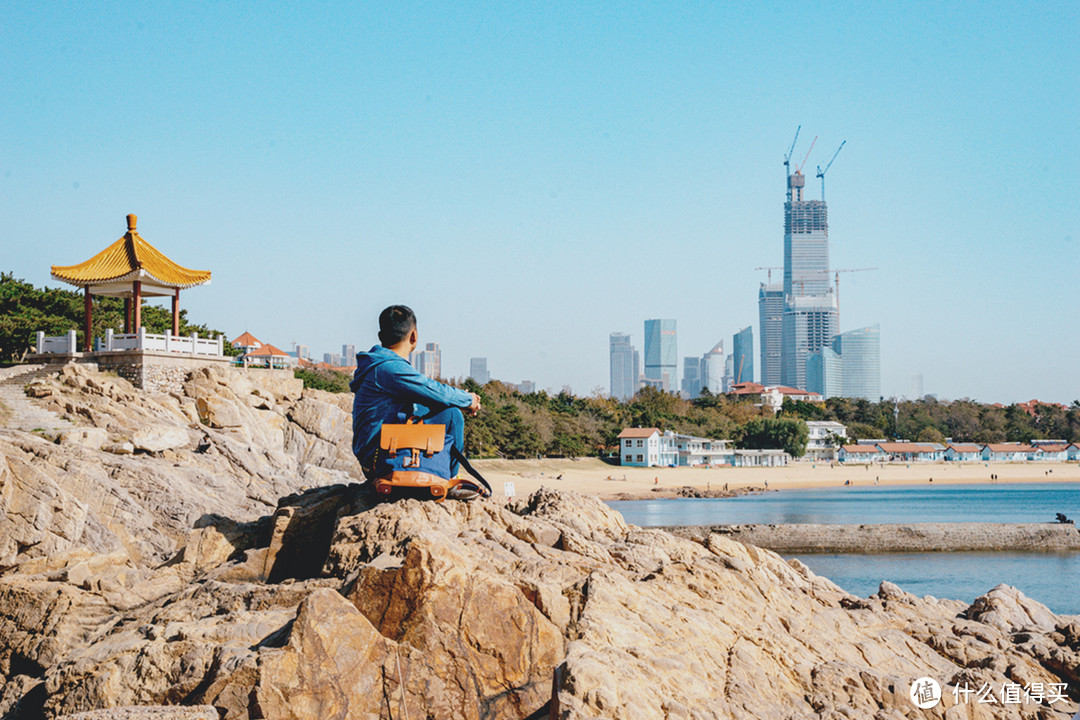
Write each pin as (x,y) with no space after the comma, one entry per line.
(1050,578)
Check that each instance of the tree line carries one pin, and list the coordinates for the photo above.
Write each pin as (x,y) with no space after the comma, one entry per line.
(514,425)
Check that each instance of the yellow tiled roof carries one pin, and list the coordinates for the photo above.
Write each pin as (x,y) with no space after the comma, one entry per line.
(130,257)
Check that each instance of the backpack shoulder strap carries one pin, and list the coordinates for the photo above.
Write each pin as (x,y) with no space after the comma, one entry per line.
(464,461)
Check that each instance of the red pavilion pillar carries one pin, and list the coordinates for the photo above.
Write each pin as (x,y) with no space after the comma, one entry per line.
(137,306)
(88,325)
(176,313)
(127,315)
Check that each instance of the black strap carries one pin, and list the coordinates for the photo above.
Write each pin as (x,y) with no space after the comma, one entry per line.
(464,461)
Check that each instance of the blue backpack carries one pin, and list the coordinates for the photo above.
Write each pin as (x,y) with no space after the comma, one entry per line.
(414,461)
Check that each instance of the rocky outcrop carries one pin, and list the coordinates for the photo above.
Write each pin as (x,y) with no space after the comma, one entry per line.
(330,605)
(335,606)
(138,470)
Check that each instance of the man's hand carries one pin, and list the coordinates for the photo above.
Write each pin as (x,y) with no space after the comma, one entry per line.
(474,409)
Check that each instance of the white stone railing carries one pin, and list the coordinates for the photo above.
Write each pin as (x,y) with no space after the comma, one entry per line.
(142,340)
(62,344)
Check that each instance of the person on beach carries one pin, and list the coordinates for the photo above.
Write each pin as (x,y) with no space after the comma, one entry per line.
(390,390)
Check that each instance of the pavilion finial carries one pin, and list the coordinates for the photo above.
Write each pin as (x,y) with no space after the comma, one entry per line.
(131,223)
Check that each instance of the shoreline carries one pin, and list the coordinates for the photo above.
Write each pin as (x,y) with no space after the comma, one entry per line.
(876,538)
(593,476)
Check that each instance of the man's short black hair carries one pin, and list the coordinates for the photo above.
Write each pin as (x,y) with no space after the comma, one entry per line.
(395,324)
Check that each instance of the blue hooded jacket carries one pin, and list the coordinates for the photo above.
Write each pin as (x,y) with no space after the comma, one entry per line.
(390,390)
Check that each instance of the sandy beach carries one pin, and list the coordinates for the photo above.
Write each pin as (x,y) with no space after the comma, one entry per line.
(596,477)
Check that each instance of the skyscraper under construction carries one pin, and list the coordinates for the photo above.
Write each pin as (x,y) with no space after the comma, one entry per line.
(811,316)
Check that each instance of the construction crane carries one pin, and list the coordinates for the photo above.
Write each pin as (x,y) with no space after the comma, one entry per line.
(787,158)
(799,169)
(770,269)
(837,271)
(787,163)
(821,173)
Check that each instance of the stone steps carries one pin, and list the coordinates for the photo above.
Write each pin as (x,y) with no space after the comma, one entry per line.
(21,412)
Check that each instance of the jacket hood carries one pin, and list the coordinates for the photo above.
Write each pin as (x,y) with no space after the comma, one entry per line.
(368,361)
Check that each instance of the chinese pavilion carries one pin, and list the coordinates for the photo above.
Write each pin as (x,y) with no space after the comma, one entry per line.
(133,269)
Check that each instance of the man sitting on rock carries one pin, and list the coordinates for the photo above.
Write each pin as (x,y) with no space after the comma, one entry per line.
(390,390)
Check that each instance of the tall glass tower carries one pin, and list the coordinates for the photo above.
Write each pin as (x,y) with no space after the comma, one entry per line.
(712,369)
(860,359)
(661,353)
(771,326)
(742,353)
(478,370)
(691,377)
(624,367)
(849,367)
(810,322)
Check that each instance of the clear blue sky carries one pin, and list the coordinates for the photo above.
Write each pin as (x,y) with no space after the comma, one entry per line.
(530,177)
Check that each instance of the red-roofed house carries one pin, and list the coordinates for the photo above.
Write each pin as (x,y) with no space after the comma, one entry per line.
(1051,452)
(1031,407)
(1007,452)
(772,396)
(909,452)
(970,452)
(861,453)
(646,447)
(268,356)
(747,389)
(246,343)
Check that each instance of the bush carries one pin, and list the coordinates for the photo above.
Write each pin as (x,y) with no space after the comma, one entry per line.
(321,379)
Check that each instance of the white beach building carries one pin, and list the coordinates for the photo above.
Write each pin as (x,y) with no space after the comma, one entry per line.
(860,453)
(647,447)
(701,452)
(1007,452)
(820,440)
(963,452)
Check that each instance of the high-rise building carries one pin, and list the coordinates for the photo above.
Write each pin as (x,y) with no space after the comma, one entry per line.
(824,373)
(428,361)
(623,366)
(810,322)
(691,377)
(860,353)
(478,370)
(810,310)
(771,325)
(526,387)
(806,241)
(661,353)
(916,392)
(742,353)
(712,369)
(332,359)
(849,367)
(729,373)
(348,355)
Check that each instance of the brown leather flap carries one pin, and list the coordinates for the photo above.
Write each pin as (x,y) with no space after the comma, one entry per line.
(428,439)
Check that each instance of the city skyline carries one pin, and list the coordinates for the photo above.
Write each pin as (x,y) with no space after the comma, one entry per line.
(544,160)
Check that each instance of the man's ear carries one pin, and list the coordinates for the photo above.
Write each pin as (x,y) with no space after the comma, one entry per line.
(414,338)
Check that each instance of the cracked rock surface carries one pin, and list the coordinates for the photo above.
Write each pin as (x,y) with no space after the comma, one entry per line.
(168,581)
